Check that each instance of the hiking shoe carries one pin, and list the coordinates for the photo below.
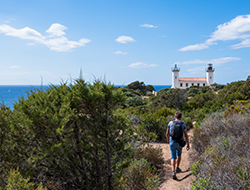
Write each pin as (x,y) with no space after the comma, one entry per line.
(174,175)
(178,170)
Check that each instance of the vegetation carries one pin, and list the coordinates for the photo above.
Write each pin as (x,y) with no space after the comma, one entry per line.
(70,135)
(222,141)
(95,136)
(16,181)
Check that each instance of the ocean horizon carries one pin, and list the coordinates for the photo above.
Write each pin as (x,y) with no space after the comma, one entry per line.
(9,94)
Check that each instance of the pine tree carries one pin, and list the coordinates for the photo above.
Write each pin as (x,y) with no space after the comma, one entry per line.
(70,134)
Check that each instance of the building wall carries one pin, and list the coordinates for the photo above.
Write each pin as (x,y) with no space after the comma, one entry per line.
(187,84)
(210,78)
(175,79)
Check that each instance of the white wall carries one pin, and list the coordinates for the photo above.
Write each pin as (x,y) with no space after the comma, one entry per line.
(175,79)
(210,77)
(190,84)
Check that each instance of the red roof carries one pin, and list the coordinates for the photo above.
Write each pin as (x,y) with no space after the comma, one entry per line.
(203,79)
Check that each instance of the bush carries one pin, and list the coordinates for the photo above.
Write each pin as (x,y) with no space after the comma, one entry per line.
(154,156)
(165,112)
(188,122)
(154,124)
(6,161)
(138,176)
(192,92)
(15,181)
(134,101)
(201,99)
(204,184)
(223,145)
(70,134)
(171,98)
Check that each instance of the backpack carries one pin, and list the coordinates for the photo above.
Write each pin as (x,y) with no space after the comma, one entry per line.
(176,132)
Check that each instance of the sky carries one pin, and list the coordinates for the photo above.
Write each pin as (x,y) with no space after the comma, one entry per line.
(52,41)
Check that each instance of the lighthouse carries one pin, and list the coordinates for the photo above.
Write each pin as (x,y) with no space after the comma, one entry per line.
(210,77)
(175,77)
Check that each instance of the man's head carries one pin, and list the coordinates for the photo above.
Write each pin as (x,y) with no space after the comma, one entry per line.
(178,115)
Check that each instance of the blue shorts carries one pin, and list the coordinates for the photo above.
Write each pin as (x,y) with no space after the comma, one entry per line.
(175,149)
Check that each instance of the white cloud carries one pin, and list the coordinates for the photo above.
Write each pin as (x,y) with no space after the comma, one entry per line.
(14,67)
(56,30)
(148,26)
(55,41)
(218,61)
(63,44)
(120,52)
(124,39)
(194,47)
(236,29)
(139,65)
(245,43)
(24,33)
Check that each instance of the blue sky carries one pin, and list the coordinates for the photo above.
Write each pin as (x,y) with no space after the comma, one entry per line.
(123,41)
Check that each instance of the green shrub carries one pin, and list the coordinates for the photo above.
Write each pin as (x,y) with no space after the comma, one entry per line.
(154,156)
(192,91)
(138,176)
(134,101)
(194,168)
(149,94)
(201,99)
(204,184)
(155,124)
(15,181)
(188,122)
(5,137)
(71,134)
(165,112)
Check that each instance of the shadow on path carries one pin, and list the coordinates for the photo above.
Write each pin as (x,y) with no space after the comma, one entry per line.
(184,176)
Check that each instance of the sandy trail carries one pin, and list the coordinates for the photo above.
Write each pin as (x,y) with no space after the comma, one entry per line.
(184,178)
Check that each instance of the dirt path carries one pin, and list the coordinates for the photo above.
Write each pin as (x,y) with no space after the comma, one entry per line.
(184,178)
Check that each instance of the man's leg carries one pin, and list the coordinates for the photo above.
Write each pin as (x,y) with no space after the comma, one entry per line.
(179,151)
(173,158)
(178,161)
(173,164)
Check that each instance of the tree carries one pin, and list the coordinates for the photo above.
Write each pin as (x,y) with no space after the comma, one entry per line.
(218,86)
(173,98)
(134,101)
(137,86)
(235,91)
(70,134)
(5,154)
(192,92)
(150,88)
(201,99)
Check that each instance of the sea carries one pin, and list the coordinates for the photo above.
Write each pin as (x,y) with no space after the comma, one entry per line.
(10,94)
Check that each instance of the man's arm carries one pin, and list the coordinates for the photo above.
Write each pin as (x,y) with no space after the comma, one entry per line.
(186,137)
(167,136)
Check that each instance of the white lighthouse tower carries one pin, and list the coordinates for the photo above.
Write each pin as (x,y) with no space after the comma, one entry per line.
(210,77)
(175,77)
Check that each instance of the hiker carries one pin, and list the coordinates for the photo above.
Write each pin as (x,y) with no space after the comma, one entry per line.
(176,142)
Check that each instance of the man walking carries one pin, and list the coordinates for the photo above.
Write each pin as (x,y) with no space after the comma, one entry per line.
(175,127)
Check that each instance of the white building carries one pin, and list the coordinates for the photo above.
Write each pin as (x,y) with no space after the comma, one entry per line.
(186,82)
